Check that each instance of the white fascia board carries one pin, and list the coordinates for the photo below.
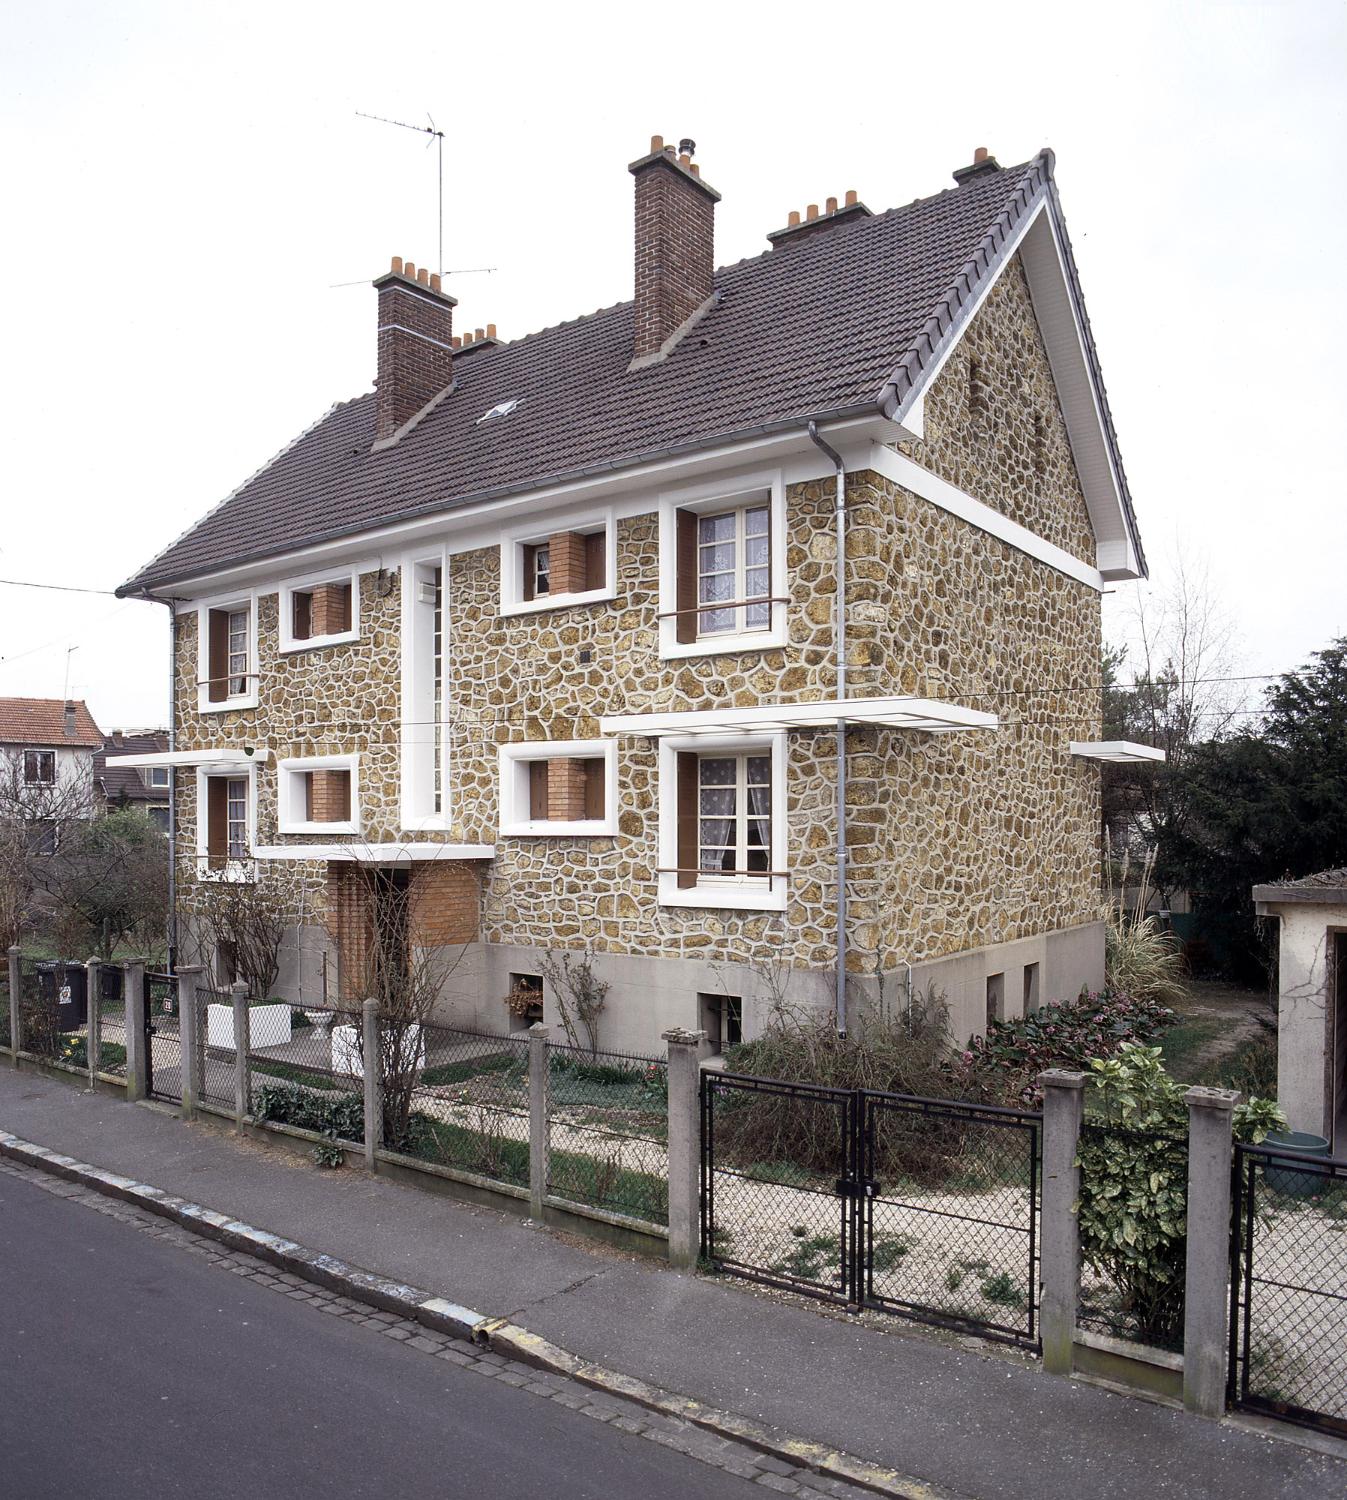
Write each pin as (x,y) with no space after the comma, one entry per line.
(1115,750)
(790,448)
(910,474)
(924,714)
(375,854)
(256,755)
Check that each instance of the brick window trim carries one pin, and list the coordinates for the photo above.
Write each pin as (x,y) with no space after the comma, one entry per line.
(676,591)
(768,894)
(209,866)
(566,790)
(212,648)
(582,557)
(323,598)
(293,793)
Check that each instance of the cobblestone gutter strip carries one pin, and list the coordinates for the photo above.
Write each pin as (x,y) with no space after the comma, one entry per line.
(816,1465)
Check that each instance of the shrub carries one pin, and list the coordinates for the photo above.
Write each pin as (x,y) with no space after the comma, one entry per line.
(339,1116)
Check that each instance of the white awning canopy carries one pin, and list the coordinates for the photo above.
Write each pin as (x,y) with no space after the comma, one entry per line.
(243,757)
(924,714)
(1115,750)
(375,854)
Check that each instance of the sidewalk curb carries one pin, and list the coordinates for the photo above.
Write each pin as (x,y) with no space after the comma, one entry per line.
(496,1334)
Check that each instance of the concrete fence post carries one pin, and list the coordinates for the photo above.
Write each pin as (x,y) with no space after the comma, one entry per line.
(685,1140)
(138,1060)
(15,1010)
(242,1038)
(189,1038)
(1206,1305)
(93,986)
(372,1066)
(1059,1235)
(540,1117)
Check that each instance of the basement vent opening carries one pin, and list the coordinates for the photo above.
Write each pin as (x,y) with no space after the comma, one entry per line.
(500,409)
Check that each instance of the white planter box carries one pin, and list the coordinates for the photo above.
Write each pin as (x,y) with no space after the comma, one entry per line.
(268,1026)
(346,1050)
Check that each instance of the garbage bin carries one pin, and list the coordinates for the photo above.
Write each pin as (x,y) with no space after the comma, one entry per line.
(65,985)
(1285,1179)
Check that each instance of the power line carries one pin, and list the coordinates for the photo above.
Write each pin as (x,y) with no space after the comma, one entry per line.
(63,588)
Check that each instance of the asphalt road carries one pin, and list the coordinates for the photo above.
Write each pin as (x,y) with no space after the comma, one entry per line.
(130,1369)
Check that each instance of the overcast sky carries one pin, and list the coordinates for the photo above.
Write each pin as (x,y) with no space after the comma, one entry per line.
(187,191)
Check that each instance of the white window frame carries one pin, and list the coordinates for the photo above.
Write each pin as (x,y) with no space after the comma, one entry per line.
(734,893)
(158,778)
(417,695)
(514,788)
(348,575)
(515,538)
(203,608)
(241,870)
(290,799)
(712,499)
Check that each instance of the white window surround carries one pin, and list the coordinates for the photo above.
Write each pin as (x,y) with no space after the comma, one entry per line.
(157,777)
(290,808)
(514,788)
(417,695)
(346,573)
(241,870)
(716,891)
(710,498)
(248,601)
(514,539)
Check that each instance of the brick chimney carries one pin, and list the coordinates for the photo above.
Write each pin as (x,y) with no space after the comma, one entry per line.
(675,243)
(71,725)
(415,358)
(982,163)
(798,228)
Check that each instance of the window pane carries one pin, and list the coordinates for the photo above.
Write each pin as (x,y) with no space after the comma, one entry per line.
(716,528)
(718,557)
(755,521)
(756,552)
(717,770)
(716,588)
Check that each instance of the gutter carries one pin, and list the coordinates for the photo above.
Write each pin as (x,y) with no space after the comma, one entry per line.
(840,637)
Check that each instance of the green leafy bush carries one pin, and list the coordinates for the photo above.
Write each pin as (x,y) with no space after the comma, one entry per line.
(338,1115)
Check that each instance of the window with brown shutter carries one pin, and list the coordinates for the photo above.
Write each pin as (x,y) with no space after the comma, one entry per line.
(595,802)
(217,656)
(301,614)
(596,548)
(537,790)
(687,821)
(217,821)
(685,592)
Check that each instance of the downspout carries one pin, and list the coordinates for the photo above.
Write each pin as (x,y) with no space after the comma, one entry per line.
(171,934)
(840,636)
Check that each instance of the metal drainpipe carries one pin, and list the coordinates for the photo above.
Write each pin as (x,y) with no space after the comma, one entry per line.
(172,933)
(840,635)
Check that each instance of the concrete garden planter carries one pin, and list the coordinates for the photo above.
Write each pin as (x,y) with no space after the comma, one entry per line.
(346,1049)
(268,1026)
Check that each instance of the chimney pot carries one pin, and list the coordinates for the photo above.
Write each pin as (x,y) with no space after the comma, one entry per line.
(434,281)
(812,211)
(423,276)
(685,160)
(979,155)
(695,169)
(851,197)
(656,143)
(491,330)
(409,270)
(687,146)
(478,335)
(831,206)
(397,264)
(793,218)
(456,342)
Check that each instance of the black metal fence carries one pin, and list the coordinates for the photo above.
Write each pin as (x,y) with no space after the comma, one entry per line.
(608,1131)
(163,1048)
(1288,1316)
(927,1208)
(1132,1288)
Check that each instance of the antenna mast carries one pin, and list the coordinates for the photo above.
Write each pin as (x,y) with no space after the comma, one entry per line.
(438,137)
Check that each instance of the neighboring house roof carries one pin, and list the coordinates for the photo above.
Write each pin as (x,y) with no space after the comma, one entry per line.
(125,783)
(42,721)
(1325,887)
(847,322)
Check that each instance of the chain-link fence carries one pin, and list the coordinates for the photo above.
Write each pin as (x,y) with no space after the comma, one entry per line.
(112,1020)
(1133,1201)
(464,1098)
(608,1131)
(1289,1330)
(4,1006)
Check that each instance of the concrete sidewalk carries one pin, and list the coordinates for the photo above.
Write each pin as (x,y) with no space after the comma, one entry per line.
(981,1424)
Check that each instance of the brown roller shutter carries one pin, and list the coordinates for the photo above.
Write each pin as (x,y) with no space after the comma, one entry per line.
(685,562)
(538,790)
(340,608)
(217,820)
(530,555)
(301,614)
(595,550)
(594,789)
(689,843)
(217,656)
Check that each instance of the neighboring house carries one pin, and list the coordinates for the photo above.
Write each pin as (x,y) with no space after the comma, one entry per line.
(47,765)
(1312,1001)
(551,627)
(143,787)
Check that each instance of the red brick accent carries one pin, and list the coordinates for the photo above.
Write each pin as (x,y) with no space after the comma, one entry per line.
(566,563)
(566,790)
(350,922)
(415,360)
(446,902)
(675,247)
(329,796)
(330,608)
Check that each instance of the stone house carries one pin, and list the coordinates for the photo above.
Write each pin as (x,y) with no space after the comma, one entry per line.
(747,632)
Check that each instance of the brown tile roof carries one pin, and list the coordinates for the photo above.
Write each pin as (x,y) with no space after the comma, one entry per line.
(125,783)
(41,721)
(839,322)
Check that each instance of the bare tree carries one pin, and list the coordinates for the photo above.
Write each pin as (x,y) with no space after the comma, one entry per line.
(246,921)
(580,996)
(36,816)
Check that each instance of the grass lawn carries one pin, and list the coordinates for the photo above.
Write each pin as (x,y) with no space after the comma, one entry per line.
(461,1072)
(1184,1042)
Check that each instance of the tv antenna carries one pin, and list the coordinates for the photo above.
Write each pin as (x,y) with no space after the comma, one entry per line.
(435,135)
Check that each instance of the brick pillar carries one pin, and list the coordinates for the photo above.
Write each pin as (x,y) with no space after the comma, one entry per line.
(446,900)
(329,608)
(330,795)
(566,562)
(566,789)
(350,919)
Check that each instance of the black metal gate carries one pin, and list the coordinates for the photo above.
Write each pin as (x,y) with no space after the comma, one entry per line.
(922,1207)
(163,1054)
(1288,1281)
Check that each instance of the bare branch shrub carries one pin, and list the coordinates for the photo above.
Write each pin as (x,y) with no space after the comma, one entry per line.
(34,819)
(581,996)
(248,921)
